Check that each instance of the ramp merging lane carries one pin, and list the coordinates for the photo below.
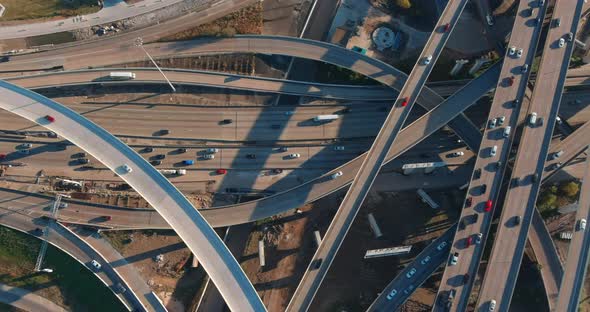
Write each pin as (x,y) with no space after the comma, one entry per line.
(402,287)
(59,238)
(149,183)
(289,46)
(477,211)
(207,79)
(376,155)
(506,256)
(577,256)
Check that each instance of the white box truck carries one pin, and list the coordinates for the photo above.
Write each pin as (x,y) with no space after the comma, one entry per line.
(321,118)
(122,75)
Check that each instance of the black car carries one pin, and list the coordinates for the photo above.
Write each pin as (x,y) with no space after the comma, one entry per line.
(484,188)
(226,121)
(79,155)
(160,156)
(477,174)
(251,156)
(156,162)
(317,264)
(4,59)
(181,150)
(535,178)
(516,220)
(277,171)
(83,161)
(148,149)
(469,202)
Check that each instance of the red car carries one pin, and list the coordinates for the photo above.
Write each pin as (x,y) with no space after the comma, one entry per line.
(49,118)
(447,27)
(469,241)
(405,102)
(107,218)
(221,171)
(2,156)
(488,206)
(511,80)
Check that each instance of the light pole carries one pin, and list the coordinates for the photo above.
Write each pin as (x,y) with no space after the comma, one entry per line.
(139,43)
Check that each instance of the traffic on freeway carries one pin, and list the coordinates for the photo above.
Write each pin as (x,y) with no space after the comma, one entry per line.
(492,157)
(507,252)
(327,250)
(276,123)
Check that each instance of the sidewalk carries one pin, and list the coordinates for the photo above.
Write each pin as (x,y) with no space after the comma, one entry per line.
(113,10)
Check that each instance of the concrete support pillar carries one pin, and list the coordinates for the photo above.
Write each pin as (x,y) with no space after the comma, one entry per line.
(261,253)
(477,65)
(317,237)
(374,226)
(458,66)
(195,262)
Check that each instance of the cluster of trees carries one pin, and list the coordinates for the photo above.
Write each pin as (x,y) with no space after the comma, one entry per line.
(552,196)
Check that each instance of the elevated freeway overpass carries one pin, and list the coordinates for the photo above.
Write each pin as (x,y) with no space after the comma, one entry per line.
(155,188)
(368,170)
(504,262)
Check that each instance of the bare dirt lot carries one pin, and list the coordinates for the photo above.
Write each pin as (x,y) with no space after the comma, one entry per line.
(404,220)
(170,277)
(353,282)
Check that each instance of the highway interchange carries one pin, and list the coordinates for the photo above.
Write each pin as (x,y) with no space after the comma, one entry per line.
(360,171)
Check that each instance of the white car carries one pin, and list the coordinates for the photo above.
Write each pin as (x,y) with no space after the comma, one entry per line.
(212,150)
(492,305)
(455,258)
(293,156)
(336,175)
(493,150)
(95,264)
(427,59)
(478,238)
(126,168)
(457,154)
(339,148)
(441,246)
(501,120)
(519,53)
(209,156)
(492,123)
(391,294)
(63,205)
(582,224)
(411,273)
(425,260)
(27,145)
(512,51)
(561,42)
(525,68)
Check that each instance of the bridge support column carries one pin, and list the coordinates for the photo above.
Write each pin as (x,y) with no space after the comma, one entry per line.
(477,65)
(458,66)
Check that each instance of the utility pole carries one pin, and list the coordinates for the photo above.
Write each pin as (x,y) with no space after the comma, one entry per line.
(53,217)
(139,43)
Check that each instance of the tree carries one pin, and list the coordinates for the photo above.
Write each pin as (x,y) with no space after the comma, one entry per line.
(404,4)
(547,201)
(570,189)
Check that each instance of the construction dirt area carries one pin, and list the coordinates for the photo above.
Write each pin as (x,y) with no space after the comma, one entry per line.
(289,246)
(164,262)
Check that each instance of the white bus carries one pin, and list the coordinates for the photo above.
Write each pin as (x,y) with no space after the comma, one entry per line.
(122,75)
(320,118)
